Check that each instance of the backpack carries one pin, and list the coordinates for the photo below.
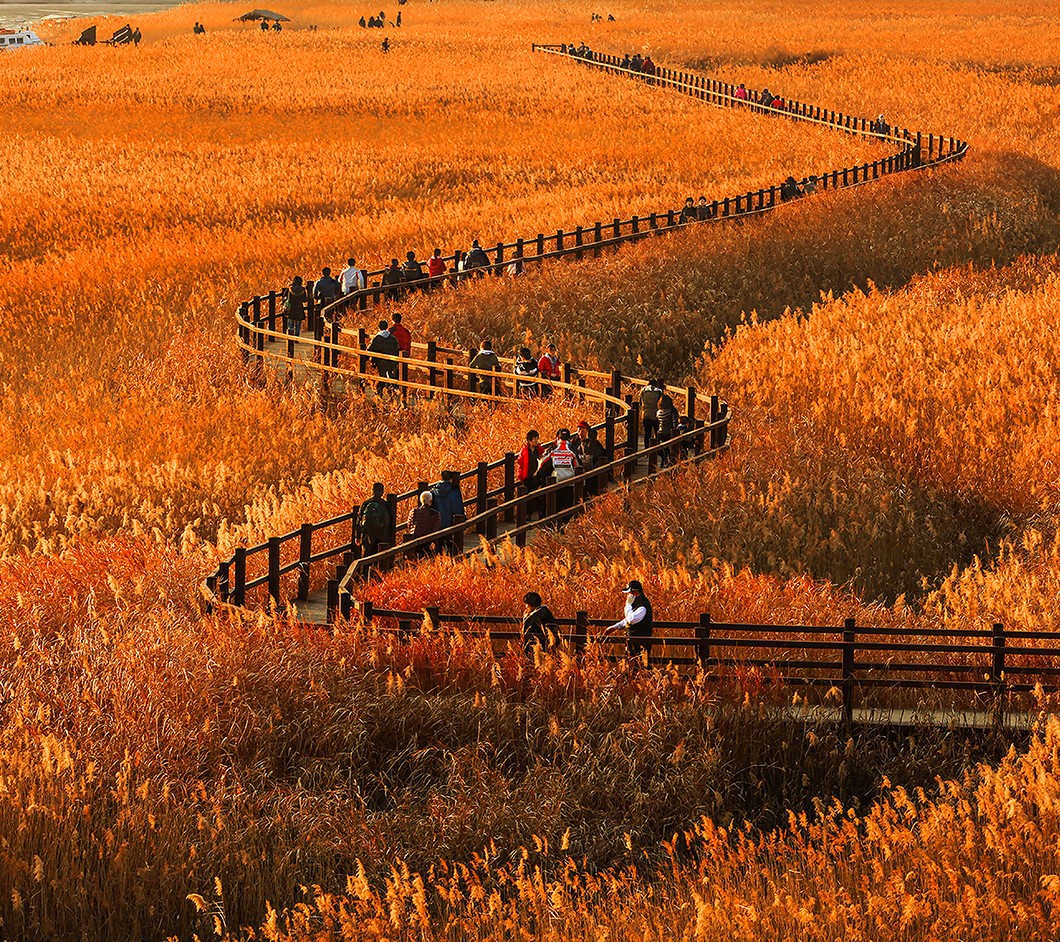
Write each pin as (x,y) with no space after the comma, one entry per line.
(375,518)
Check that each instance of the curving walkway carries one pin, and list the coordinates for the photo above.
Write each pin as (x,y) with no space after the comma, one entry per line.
(286,568)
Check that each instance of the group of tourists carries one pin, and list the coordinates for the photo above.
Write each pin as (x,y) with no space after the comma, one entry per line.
(540,630)
(437,508)
(638,63)
(378,22)
(661,421)
(538,465)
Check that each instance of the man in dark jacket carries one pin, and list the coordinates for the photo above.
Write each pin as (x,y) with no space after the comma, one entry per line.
(375,523)
(591,454)
(392,280)
(538,624)
(485,359)
(476,257)
(294,306)
(411,272)
(449,503)
(385,343)
(326,289)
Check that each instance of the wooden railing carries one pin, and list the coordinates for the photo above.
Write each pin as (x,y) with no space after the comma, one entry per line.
(496,498)
(915,151)
(846,661)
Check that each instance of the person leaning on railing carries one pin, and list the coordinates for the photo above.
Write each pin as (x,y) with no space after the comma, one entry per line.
(636,621)
(384,343)
(526,371)
(485,359)
(548,369)
(392,280)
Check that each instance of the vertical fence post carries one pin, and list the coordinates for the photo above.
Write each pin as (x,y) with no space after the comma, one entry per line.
(703,640)
(392,506)
(331,607)
(432,357)
(579,238)
(849,642)
(481,500)
(222,582)
(272,310)
(690,402)
(581,631)
(434,617)
(540,244)
(274,570)
(305,554)
(239,590)
(997,676)
(509,485)
(632,438)
(598,238)
(715,417)
(559,240)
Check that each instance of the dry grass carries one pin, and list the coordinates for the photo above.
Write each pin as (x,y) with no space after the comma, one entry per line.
(166,773)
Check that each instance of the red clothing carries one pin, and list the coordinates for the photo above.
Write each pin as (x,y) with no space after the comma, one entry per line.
(522,463)
(547,367)
(435,266)
(403,336)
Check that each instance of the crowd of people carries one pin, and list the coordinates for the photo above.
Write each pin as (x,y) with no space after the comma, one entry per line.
(378,21)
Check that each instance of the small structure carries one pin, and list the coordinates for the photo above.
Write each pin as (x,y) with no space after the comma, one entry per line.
(263,15)
(19,39)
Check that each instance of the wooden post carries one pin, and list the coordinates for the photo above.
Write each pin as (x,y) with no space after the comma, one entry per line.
(305,554)
(632,437)
(609,433)
(540,244)
(703,641)
(616,228)
(332,606)
(310,309)
(578,240)
(499,270)
(392,506)
(653,221)
(690,402)
(432,357)
(481,500)
(274,570)
(997,676)
(222,581)
(616,384)
(434,617)
(519,252)
(346,605)
(849,643)
(716,438)
(521,518)
(362,345)
(559,240)
(598,237)
(272,310)
(581,631)
(239,590)
(635,223)
(509,485)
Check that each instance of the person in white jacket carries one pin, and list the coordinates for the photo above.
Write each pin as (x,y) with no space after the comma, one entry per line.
(636,621)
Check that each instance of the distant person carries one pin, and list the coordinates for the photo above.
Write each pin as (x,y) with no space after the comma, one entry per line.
(294,306)
(485,359)
(741,92)
(361,23)
(636,621)
(591,454)
(564,461)
(647,66)
(667,417)
(688,211)
(810,187)
(199,29)
(326,291)
(449,503)
(703,209)
(649,410)
(411,272)
(880,125)
(264,26)
(352,278)
(765,98)
(610,18)
(539,624)
(374,523)
(789,190)
(526,370)
(392,280)
(137,36)
(636,63)
(397,21)
(476,257)
(528,461)
(436,267)
(402,335)
(625,64)
(385,45)
(423,521)
(548,369)
(384,344)
(276,28)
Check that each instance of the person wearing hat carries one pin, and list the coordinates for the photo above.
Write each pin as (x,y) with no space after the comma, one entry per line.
(637,621)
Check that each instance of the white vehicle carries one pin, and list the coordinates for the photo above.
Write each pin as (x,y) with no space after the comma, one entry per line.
(18,39)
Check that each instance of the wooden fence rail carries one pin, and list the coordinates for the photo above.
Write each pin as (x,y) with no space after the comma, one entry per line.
(846,661)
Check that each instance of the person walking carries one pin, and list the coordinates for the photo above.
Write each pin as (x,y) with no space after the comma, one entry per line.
(327,289)
(548,368)
(476,257)
(352,278)
(392,281)
(449,503)
(384,344)
(649,410)
(411,272)
(402,335)
(539,624)
(423,521)
(636,621)
(294,306)
(485,359)
(667,417)
(591,454)
(375,523)
(526,372)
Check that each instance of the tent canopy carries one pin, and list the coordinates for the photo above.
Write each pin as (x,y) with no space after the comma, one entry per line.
(264,15)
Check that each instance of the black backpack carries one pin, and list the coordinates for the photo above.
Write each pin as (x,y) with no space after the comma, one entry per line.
(375,519)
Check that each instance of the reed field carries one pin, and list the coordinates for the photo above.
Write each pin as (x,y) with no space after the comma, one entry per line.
(890,354)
